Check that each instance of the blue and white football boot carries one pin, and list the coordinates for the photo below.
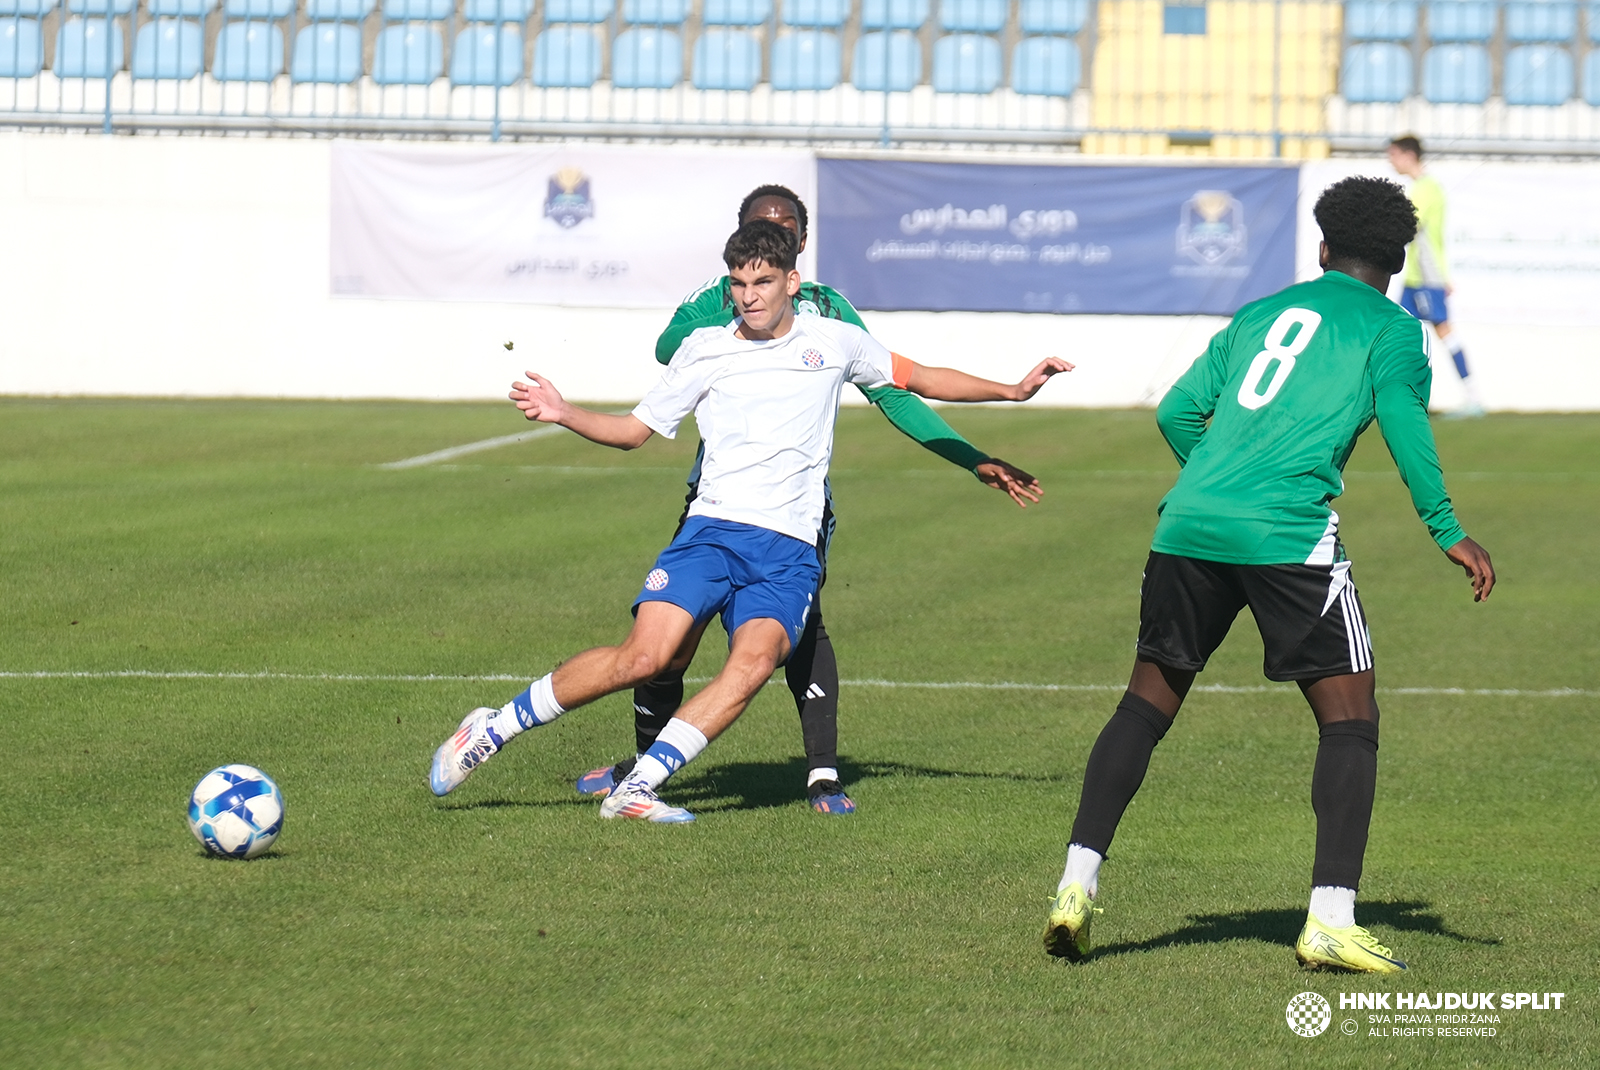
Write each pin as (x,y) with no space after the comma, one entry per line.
(598,781)
(630,799)
(473,742)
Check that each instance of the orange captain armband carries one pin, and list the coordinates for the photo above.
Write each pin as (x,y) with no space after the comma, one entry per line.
(902,370)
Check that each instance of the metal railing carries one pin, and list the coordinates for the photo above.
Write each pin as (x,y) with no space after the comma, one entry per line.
(1243,78)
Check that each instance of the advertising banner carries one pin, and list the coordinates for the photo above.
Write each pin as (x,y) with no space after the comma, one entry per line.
(1023,238)
(1521,240)
(589,225)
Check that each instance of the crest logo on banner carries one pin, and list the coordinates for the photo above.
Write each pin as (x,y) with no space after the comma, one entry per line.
(568,201)
(1211,227)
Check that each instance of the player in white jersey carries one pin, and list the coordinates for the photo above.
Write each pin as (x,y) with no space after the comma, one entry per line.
(765,393)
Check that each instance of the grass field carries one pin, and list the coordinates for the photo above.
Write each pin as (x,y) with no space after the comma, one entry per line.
(507,927)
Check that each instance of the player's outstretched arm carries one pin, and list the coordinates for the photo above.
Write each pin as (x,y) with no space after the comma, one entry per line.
(1475,559)
(948,384)
(540,400)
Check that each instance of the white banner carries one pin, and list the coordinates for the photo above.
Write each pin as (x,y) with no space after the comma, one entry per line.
(1522,239)
(587,225)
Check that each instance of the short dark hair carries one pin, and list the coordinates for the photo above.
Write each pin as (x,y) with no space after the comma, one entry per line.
(783,192)
(1367,219)
(761,241)
(1408,143)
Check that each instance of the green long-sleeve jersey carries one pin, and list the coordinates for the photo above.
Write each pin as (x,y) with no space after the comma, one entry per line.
(1287,387)
(712,306)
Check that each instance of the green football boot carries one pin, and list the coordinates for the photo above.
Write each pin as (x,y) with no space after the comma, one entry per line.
(1066,931)
(1343,949)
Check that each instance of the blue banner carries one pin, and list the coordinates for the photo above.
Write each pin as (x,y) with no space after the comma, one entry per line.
(1005,238)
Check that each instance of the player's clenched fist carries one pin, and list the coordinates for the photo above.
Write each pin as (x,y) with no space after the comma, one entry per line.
(539,399)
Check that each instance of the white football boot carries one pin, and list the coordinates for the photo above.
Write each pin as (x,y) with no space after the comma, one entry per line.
(639,802)
(473,742)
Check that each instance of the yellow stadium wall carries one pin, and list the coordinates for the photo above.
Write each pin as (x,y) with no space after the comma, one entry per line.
(1220,81)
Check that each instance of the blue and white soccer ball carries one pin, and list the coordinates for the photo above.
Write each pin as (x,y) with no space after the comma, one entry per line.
(236,811)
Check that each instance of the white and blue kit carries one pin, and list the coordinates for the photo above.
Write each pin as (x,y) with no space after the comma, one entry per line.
(766,411)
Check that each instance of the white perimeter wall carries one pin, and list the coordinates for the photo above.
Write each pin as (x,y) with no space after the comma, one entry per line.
(199,266)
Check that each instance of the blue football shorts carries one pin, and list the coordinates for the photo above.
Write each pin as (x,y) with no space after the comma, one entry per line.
(739,570)
(1426,303)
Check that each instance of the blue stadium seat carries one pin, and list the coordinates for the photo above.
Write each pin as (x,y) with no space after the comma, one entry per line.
(1591,76)
(1456,74)
(253,9)
(186,9)
(330,10)
(966,63)
(1538,75)
(577,11)
(418,11)
(496,11)
(1378,73)
(1380,20)
(894,15)
(973,16)
(1544,20)
(891,61)
(726,59)
(248,52)
(327,52)
(646,58)
(807,59)
(81,49)
(1046,66)
(656,13)
(1054,16)
(22,48)
(98,7)
(487,54)
(1461,20)
(735,12)
(822,13)
(566,57)
(169,49)
(1594,23)
(28,7)
(411,54)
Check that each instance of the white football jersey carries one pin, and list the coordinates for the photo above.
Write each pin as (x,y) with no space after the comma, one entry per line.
(766,411)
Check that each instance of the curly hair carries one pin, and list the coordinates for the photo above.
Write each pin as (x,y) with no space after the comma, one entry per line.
(761,241)
(1367,219)
(783,192)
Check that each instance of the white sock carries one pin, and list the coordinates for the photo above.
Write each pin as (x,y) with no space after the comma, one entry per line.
(535,706)
(674,748)
(826,772)
(1334,907)
(1083,866)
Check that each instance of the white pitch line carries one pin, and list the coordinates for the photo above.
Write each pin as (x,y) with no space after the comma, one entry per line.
(924,685)
(473,447)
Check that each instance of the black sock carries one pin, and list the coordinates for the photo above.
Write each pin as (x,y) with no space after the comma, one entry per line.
(812,674)
(654,703)
(1342,786)
(1117,765)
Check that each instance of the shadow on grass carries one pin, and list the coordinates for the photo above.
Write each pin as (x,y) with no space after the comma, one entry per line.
(1282,926)
(759,785)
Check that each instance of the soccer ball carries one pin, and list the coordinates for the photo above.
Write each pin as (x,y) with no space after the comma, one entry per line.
(236,811)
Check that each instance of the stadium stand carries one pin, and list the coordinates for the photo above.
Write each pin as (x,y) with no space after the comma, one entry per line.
(1209,77)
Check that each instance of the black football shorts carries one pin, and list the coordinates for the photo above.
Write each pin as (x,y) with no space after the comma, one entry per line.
(1309,616)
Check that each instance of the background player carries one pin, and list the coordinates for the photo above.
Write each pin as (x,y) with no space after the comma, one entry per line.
(1287,387)
(1427,274)
(765,393)
(812,671)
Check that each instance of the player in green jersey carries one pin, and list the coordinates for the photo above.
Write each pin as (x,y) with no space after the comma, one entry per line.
(812,671)
(1262,425)
(1427,273)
